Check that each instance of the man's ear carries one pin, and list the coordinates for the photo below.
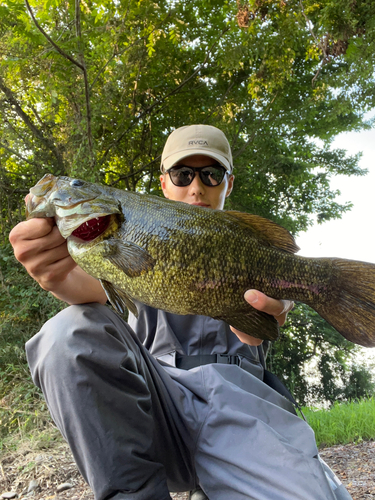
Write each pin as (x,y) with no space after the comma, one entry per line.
(230,185)
(163,185)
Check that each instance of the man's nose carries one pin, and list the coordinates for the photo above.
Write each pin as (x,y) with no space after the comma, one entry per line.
(197,186)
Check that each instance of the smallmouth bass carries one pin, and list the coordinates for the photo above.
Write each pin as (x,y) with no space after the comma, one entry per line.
(194,260)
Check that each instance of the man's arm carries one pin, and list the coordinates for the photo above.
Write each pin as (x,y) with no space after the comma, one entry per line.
(41,249)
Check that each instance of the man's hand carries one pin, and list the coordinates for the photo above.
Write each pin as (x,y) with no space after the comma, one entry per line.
(277,308)
(41,249)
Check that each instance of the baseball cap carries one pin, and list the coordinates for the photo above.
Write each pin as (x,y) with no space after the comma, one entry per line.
(196,140)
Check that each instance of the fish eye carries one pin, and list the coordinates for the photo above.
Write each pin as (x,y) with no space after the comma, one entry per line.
(76,183)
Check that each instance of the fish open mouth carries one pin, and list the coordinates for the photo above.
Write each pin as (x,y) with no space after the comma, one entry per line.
(92,228)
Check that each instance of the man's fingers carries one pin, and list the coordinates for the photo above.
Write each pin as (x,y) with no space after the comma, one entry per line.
(288,306)
(32,229)
(49,256)
(276,308)
(31,238)
(245,338)
(55,273)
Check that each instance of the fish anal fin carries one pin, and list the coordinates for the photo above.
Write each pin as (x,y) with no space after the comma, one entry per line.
(255,323)
(118,298)
(128,257)
(267,230)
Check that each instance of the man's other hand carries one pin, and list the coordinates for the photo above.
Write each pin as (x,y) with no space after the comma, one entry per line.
(277,308)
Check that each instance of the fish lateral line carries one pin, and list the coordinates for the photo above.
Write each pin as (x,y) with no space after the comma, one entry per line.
(315,289)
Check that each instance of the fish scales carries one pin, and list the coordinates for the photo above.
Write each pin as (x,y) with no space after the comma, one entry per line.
(194,260)
(190,268)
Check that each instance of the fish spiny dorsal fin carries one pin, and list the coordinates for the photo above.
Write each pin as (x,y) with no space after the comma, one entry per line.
(266,230)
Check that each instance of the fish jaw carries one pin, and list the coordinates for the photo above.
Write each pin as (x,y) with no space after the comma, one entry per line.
(38,200)
(71,202)
(69,220)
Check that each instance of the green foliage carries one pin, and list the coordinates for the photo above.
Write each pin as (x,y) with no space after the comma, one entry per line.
(359,385)
(94,91)
(22,407)
(316,363)
(24,307)
(343,423)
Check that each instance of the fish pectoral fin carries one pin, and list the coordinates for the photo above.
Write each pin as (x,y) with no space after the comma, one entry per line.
(255,323)
(118,298)
(266,230)
(128,257)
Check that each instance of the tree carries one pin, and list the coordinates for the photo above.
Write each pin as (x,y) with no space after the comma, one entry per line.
(92,89)
(316,363)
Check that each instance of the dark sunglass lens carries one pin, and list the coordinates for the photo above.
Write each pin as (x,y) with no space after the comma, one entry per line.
(181,176)
(212,176)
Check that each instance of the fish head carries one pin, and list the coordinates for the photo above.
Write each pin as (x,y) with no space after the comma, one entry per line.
(80,208)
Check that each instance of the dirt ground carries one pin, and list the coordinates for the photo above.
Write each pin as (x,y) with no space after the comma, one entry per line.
(51,474)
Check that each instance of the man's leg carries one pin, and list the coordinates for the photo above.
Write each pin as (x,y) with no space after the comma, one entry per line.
(250,448)
(106,397)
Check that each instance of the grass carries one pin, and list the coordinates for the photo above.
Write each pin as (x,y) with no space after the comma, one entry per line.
(35,439)
(344,423)
(22,406)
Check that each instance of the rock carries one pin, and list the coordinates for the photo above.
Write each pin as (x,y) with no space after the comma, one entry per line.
(9,494)
(33,484)
(63,487)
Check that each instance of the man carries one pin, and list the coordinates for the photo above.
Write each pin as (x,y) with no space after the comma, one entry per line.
(178,402)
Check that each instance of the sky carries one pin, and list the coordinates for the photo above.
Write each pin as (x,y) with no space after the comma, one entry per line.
(353,236)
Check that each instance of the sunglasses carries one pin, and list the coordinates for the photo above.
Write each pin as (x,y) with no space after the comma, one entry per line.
(182,175)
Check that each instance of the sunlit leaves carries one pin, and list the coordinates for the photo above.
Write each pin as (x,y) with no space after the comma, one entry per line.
(151,67)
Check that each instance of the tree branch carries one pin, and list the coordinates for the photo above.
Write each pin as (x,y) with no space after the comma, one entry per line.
(84,70)
(17,174)
(128,176)
(222,99)
(7,189)
(59,50)
(319,44)
(13,152)
(80,64)
(30,125)
(121,52)
(250,140)
(163,99)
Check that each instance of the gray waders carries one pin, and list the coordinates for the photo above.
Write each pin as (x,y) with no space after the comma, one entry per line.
(138,429)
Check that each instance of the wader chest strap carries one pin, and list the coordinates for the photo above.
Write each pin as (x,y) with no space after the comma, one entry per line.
(188,362)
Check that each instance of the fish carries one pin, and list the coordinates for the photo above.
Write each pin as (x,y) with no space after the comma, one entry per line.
(189,259)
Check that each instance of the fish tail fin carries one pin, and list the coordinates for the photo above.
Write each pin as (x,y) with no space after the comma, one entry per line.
(350,307)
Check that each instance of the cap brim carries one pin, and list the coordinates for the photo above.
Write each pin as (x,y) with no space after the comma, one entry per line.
(175,158)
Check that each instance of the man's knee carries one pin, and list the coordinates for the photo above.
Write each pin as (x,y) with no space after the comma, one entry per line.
(76,333)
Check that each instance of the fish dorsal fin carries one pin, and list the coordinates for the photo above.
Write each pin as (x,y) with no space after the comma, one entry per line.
(266,230)
(118,298)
